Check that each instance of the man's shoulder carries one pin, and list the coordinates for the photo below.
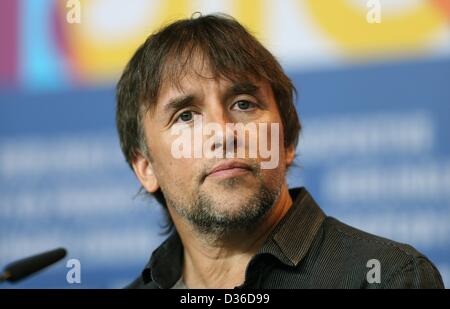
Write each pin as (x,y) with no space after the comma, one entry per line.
(364,241)
(401,264)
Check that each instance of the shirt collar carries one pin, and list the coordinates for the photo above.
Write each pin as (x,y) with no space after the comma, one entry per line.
(166,262)
(294,234)
(289,242)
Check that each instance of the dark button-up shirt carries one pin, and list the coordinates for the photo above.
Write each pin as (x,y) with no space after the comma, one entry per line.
(310,250)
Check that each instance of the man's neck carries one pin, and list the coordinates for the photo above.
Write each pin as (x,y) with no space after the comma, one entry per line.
(222,263)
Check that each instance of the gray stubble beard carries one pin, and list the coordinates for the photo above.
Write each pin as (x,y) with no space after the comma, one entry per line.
(210,224)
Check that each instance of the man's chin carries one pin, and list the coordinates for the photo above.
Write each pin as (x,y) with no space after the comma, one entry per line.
(225,181)
(231,200)
(230,209)
(217,210)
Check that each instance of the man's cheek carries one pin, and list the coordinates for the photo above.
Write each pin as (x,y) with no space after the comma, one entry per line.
(269,145)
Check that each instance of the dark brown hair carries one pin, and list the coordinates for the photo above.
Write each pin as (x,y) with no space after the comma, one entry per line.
(228,50)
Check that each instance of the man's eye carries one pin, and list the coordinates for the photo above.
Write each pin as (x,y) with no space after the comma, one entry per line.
(243,105)
(185,116)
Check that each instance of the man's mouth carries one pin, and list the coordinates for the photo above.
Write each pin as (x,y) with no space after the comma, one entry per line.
(227,169)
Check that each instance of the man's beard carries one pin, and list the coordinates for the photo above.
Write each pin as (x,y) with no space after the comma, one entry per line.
(209,222)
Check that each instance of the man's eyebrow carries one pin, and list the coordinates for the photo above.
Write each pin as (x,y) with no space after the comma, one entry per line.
(241,88)
(178,103)
(183,101)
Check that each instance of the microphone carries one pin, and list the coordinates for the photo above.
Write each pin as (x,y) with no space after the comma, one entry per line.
(27,266)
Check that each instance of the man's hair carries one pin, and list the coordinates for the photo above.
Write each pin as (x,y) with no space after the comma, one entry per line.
(228,50)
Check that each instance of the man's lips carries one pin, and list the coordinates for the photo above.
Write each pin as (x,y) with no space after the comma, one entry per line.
(229,169)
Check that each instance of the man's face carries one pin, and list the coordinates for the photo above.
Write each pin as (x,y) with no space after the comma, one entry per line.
(217,193)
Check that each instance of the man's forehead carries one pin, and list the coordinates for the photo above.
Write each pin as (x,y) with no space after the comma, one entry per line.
(187,74)
(193,83)
(189,82)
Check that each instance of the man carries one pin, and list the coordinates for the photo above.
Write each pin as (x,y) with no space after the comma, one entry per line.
(233,221)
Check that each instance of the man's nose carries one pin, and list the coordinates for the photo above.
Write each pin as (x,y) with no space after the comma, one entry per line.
(217,121)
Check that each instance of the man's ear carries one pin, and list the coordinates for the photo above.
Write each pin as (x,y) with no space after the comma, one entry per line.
(290,155)
(144,172)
